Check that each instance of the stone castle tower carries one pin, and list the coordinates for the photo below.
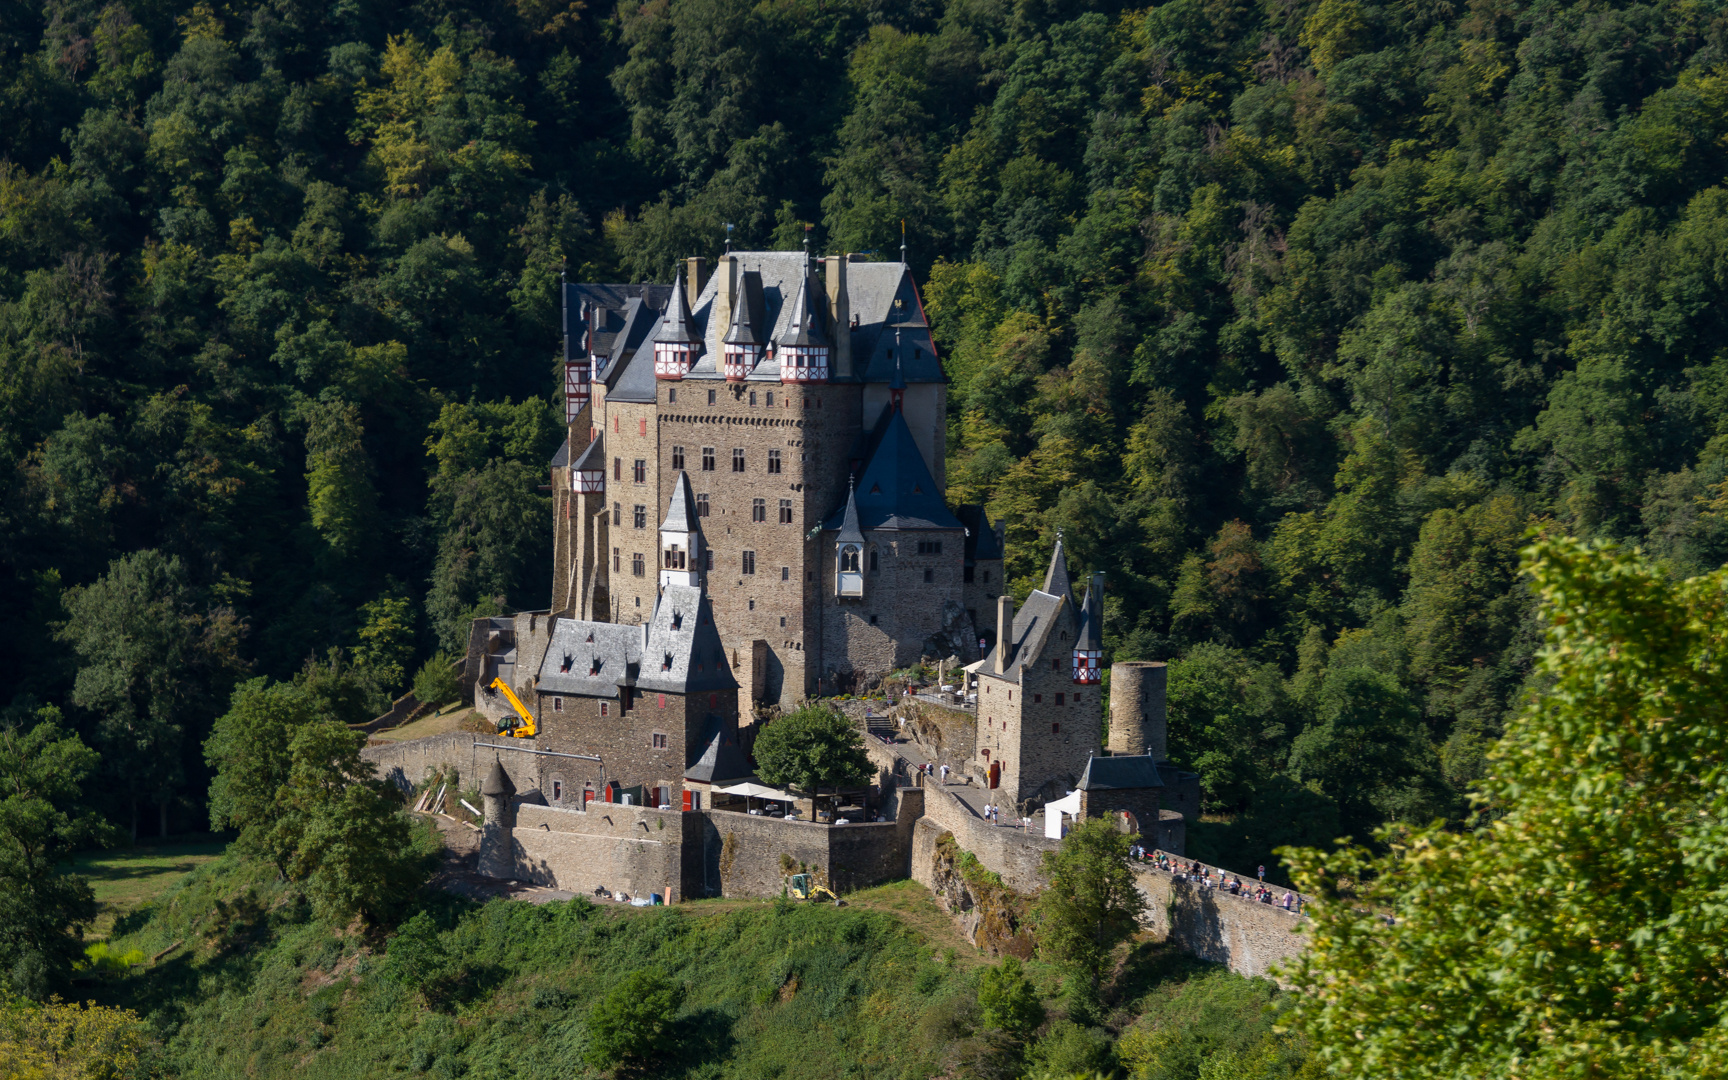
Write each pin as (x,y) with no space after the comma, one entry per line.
(802,417)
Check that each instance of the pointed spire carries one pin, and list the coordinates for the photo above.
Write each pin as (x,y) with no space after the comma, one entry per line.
(1091,634)
(804,327)
(681,509)
(675,327)
(850,533)
(1056,578)
(743,330)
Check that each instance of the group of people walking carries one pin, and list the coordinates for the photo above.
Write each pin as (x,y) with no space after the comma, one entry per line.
(1205,876)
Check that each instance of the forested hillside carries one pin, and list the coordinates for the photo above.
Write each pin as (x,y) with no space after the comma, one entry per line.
(1293,317)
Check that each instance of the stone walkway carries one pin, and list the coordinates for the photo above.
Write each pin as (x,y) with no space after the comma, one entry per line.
(973,796)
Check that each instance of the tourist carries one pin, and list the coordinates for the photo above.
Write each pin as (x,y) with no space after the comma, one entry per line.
(945,781)
(1288,899)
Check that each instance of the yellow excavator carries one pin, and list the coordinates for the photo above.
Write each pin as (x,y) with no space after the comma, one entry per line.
(805,887)
(523,730)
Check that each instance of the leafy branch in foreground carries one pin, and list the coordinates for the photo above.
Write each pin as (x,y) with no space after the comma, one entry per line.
(1579,930)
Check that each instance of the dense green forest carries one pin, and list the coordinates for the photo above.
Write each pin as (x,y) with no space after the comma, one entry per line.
(1293,316)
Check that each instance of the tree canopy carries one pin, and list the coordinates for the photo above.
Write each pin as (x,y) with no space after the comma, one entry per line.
(1575,928)
(811,748)
(1292,318)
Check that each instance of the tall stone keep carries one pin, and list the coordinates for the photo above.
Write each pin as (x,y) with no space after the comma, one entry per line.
(1137,708)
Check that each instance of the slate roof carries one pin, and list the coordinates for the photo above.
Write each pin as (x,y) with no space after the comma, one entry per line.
(849,531)
(748,314)
(1090,635)
(769,281)
(897,490)
(677,651)
(676,324)
(1120,773)
(1032,626)
(593,456)
(600,657)
(808,315)
(981,540)
(562,457)
(1056,581)
(681,508)
(721,758)
(626,379)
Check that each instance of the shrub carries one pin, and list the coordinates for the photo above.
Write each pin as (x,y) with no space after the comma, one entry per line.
(631,1021)
(1008,1000)
(436,683)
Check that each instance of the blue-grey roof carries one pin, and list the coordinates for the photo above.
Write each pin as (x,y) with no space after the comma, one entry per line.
(677,651)
(680,508)
(981,541)
(716,756)
(896,490)
(871,290)
(1121,773)
(1056,581)
(849,531)
(1033,623)
(562,457)
(620,372)
(593,456)
(807,317)
(1090,635)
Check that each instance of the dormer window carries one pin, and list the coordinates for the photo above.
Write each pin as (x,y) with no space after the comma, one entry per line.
(677,619)
(565,666)
(590,637)
(666,664)
(594,668)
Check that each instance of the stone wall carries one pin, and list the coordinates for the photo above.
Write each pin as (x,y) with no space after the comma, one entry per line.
(639,850)
(1017,856)
(406,764)
(1248,937)
(632,849)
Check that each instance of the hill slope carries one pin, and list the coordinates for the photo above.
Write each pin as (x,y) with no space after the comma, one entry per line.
(880,988)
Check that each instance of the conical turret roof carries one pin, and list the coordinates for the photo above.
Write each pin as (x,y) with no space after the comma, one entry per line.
(850,533)
(805,325)
(744,330)
(681,509)
(498,781)
(1090,637)
(676,326)
(1056,578)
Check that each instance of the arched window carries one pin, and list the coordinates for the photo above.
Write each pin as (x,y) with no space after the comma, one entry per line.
(849,559)
(873,564)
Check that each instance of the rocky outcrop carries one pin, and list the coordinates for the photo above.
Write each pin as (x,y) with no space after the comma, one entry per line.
(991,915)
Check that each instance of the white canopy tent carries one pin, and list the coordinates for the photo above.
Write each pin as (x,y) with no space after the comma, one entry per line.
(1069,804)
(752,790)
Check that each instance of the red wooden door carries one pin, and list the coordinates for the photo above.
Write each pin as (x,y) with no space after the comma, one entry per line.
(995,774)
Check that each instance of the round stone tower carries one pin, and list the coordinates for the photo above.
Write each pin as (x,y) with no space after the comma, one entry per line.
(497,848)
(1137,708)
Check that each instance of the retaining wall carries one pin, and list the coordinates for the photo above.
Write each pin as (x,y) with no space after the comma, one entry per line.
(408,763)
(633,849)
(641,850)
(1248,937)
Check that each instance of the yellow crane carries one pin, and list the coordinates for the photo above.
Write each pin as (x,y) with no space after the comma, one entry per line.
(524,730)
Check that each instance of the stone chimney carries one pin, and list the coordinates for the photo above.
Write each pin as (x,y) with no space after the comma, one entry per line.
(1004,630)
(697,278)
(840,312)
(725,294)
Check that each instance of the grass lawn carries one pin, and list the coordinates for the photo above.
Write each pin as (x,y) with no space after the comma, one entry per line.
(125,879)
(451,718)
